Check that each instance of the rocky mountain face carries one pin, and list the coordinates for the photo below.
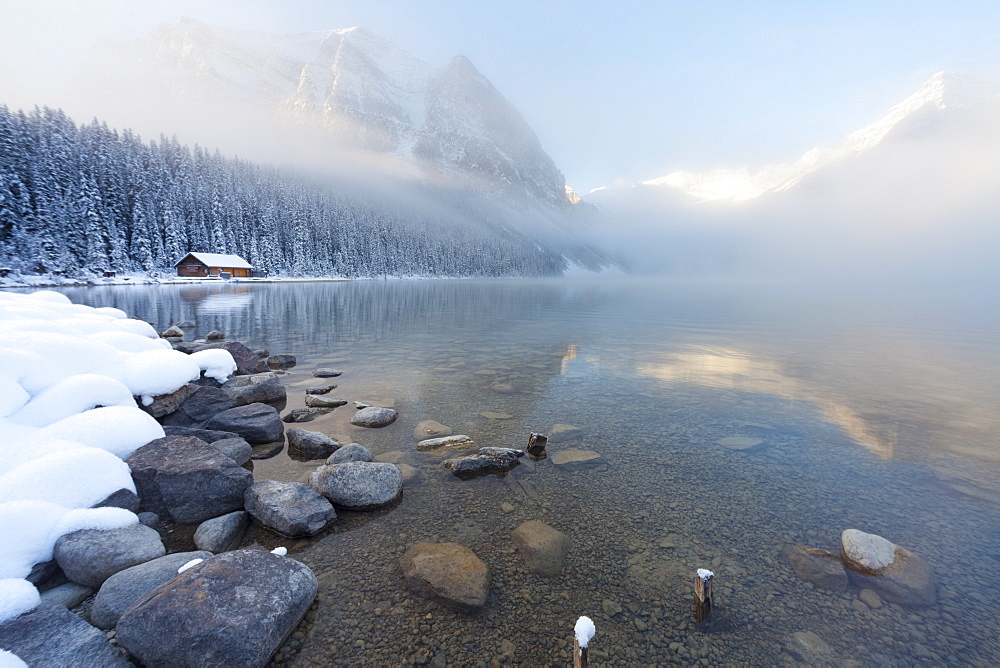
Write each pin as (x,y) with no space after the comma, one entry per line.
(348,86)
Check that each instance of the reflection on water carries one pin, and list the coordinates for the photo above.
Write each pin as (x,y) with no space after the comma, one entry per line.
(875,413)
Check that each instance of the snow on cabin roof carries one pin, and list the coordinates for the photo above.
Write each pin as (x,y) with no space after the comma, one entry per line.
(219,260)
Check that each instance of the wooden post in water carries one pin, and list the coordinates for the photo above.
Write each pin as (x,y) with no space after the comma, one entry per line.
(702,594)
(579,655)
(536,446)
(583,632)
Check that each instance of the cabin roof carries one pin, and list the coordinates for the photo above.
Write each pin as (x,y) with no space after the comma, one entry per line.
(218,260)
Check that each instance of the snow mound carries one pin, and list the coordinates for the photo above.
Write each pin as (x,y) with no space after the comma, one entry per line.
(584,630)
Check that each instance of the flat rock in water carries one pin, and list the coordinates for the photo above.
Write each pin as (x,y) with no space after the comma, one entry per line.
(257,423)
(221,533)
(327,373)
(817,566)
(302,415)
(577,460)
(459,440)
(258,388)
(51,635)
(564,432)
(447,572)
(359,485)
(430,429)
(187,479)
(809,648)
(486,461)
(893,572)
(123,588)
(304,445)
(90,557)
(352,452)
(322,389)
(293,509)
(740,442)
(543,548)
(196,620)
(319,401)
(409,473)
(374,417)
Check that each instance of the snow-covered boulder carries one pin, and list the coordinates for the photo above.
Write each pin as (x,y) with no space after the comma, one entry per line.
(188,480)
(293,509)
(124,587)
(54,636)
(893,572)
(485,461)
(221,533)
(447,572)
(90,557)
(257,423)
(304,445)
(359,485)
(194,619)
(247,362)
(542,547)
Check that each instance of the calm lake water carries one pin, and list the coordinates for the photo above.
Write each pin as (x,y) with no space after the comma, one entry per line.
(878,412)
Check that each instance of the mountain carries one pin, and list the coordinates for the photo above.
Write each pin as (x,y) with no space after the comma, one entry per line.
(350,90)
(942,97)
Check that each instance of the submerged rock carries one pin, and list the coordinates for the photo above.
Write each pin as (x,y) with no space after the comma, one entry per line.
(374,417)
(486,461)
(359,485)
(543,548)
(740,442)
(564,432)
(577,460)
(447,572)
(293,509)
(430,429)
(893,572)
(817,566)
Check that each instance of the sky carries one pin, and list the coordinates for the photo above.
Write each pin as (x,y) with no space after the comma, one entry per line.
(616,91)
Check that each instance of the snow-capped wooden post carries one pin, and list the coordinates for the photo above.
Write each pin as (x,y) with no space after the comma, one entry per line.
(536,446)
(583,632)
(702,594)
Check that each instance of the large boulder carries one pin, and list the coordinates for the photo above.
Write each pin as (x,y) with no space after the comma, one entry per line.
(123,588)
(486,461)
(374,417)
(543,548)
(221,533)
(305,445)
(447,572)
(187,479)
(202,403)
(817,566)
(234,609)
(257,423)
(91,556)
(893,572)
(352,452)
(247,361)
(294,509)
(52,636)
(358,485)
(264,388)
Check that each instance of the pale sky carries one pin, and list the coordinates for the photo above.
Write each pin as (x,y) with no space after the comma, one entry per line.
(615,90)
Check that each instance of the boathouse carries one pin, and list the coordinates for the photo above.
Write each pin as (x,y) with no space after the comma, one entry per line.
(213,264)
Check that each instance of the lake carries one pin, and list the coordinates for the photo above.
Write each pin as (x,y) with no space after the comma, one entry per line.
(877,411)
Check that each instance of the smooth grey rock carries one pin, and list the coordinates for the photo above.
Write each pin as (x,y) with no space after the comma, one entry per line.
(352,452)
(817,566)
(560,433)
(893,572)
(68,595)
(458,440)
(264,388)
(123,588)
(206,435)
(215,335)
(318,401)
(247,362)
(53,637)
(447,572)
(165,404)
(236,449)
(543,548)
(323,389)
(90,557)
(374,417)
(281,361)
(327,373)
(195,619)
(486,461)
(172,332)
(221,533)
(123,498)
(359,485)
(257,423)
(187,480)
(304,445)
(152,520)
(294,509)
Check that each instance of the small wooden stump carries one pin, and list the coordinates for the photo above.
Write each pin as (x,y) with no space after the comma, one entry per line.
(579,655)
(536,446)
(702,594)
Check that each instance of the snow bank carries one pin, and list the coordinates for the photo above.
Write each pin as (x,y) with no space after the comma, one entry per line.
(9,660)
(68,419)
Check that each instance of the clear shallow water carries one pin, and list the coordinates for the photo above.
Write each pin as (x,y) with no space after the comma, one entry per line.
(877,412)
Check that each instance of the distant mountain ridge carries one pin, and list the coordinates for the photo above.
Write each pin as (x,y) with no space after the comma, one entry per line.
(352,86)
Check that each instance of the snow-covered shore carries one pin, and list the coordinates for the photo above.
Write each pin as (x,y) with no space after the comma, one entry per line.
(69,381)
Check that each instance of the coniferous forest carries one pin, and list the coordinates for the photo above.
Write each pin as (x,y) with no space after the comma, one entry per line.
(83,200)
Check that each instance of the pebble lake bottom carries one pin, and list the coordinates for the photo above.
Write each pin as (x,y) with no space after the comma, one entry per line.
(873,411)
